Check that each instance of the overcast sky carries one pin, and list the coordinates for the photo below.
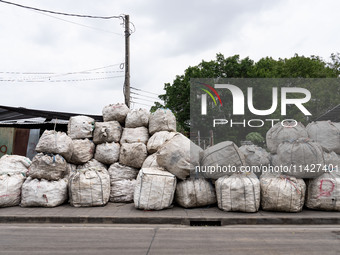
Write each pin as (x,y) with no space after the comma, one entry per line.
(43,56)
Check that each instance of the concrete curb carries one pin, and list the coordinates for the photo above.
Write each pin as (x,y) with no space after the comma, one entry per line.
(194,221)
(119,213)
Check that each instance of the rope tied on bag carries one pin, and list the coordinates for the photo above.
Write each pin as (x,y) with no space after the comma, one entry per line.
(287,178)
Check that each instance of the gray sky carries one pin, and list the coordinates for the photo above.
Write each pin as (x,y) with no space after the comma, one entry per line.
(43,49)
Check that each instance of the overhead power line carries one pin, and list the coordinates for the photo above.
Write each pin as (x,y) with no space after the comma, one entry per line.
(144,91)
(62,13)
(82,25)
(68,80)
(141,103)
(54,74)
(134,93)
(143,99)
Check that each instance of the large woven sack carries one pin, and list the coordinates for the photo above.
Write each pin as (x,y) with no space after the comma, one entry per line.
(151,161)
(107,153)
(162,120)
(274,160)
(93,163)
(326,133)
(195,193)
(80,127)
(10,189)
(301,158)
(48,166)
(133,154)
(154,189)
(123,180)
(255,157)
(278,134)
(14,164)
(332,160)
(115,112)
(56,143)
(83,150)
(323,192)
(43,193)
(137,118)
(107,132)
(70,169)
(179,156)
(282,193)
(122,191)
(135,135)
(158,139)
(89,187)
(238,192)
(221,159)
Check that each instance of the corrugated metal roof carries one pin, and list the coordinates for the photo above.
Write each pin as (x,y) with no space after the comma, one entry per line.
(31,118)
(16,113)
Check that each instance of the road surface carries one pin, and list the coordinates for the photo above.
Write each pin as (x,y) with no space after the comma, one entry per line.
(167,239)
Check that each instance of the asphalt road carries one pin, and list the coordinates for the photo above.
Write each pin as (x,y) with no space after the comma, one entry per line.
(165,239)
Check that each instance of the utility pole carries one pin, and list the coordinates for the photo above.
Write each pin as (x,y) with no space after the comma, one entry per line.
(127,60)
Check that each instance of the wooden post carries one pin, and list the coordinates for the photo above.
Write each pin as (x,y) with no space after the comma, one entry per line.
(127,61)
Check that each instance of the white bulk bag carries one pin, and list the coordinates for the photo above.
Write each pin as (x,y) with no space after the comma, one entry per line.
(137,118)
(158,139)
(179,156)
(107,153)
(83,150)
(135,135)
(303,158)
(279,133)
(80,127)
(162,120)
(48,166)
(10,189)
(154,189)
(43,193)
(324,192)
(123,180)
(150,161)
(14,164)
(326,133)
(93,163)
(107,132)
(89,187)
(56,143)
(282,193)
(115,112)
(221,159)
(133,154)
(238,192)
(195,193)
(255,157)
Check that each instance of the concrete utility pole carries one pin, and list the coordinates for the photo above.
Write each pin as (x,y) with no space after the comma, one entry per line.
(127,61)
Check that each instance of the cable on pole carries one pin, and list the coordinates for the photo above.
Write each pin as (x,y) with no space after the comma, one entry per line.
(144,91)
(62,13)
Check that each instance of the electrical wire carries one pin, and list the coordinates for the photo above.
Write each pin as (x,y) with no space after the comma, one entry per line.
(88,70)
(69,80)
(140,103)
(79,24)
(143,99)
(49,75)
(62,13)
(134,93)
(144,91)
